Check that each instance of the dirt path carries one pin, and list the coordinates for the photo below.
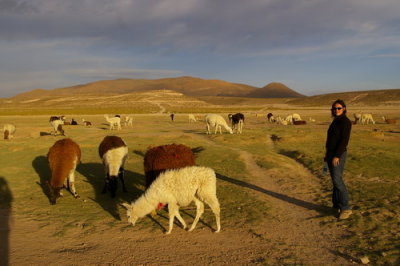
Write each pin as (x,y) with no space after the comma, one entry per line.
(290,235)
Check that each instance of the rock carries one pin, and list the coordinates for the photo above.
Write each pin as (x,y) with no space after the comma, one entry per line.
(364,260)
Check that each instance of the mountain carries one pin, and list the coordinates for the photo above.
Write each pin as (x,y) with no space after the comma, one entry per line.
(371,98)
(274,90)
(189,86)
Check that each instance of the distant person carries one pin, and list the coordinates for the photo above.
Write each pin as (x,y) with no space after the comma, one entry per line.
(172,117)
(336,152)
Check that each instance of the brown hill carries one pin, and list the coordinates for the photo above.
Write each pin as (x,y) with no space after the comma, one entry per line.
(372,98)
(187,85)
(274,90)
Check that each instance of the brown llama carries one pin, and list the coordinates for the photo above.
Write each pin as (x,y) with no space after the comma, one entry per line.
(63,157)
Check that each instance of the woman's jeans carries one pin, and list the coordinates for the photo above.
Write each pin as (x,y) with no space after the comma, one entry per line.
(340,196)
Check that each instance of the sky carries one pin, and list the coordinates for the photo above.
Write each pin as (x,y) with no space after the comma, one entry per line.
(312,46)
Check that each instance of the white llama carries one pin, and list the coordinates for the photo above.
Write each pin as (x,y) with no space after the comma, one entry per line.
(113,121)
(217,121)
(178,187)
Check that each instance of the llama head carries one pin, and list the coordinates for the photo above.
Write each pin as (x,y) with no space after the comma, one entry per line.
(54,194)
(130,213)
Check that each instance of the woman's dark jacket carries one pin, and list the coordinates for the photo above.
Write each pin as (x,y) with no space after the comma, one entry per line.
(338,136)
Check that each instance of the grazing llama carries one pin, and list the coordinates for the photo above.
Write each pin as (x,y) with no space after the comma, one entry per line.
(161,158)
(178,188)
(192,118)
(86,123)
(113,151)
(9,130)
(217,121)
(63,158)
(128,121)
(237,122)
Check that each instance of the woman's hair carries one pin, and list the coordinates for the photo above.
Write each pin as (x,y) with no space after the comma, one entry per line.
(341,102)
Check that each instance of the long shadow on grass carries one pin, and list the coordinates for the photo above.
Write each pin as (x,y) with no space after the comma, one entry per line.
(301,203)
(41,166)
(6,199)
(94,173)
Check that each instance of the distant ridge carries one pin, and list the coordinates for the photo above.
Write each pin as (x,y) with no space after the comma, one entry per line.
(373,97)
(189,86)
(274,90)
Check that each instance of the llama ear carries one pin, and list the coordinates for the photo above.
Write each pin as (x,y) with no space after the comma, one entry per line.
(126,205)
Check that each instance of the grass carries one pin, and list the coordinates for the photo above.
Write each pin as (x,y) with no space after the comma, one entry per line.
(371,173)
(25,171)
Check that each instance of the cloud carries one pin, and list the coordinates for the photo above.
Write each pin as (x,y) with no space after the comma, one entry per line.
(219,26)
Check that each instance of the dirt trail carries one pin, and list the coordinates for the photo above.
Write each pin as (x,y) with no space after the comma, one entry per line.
(297,225)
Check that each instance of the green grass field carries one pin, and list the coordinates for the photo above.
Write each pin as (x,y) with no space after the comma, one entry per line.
(372,174)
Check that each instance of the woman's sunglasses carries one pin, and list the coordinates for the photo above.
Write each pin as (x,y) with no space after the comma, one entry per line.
(337,108)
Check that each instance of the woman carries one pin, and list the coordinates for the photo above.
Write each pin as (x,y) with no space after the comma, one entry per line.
(336,153)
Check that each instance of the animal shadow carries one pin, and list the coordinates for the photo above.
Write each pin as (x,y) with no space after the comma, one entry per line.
(41,166)
(44,134)
(94,174)
(6,199)
(140,153)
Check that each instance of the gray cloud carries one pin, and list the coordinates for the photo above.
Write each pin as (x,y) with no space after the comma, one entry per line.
(219,26)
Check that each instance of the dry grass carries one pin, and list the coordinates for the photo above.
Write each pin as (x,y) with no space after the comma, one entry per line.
(372,172)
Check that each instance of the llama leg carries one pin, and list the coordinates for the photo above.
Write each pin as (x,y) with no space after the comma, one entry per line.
(199,212)
(178,215)
(121,174)
(214,205)
(71,183)
(208,129)
(172,209)
(107,179)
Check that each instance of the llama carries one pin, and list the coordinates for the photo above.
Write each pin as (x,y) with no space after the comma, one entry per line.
(366,118)
(52,118)
(172,117)
(388,121)
(9,130)
(161,158)
(192,118)
(56,125)
(281,121)
(113,151)
(73,122)
(293,117)
(179,187)
(86,123)
(357,117)
(216,121)
(271,118)
(114,121)
(230,117)
(128,121)
(63,158)
(237,122)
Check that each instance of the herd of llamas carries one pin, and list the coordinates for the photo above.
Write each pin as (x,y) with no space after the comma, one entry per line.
(171,175)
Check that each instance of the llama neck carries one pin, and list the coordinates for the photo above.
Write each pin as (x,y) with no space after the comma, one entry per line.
(144,205)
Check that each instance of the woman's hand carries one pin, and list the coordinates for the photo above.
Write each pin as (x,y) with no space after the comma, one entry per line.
(335,161)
